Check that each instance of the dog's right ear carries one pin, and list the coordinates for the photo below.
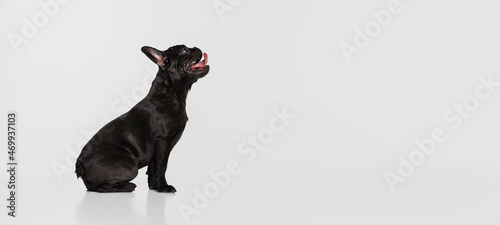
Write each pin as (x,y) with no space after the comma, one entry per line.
(155,55)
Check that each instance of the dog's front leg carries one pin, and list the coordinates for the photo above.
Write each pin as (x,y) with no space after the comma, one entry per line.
(158,167)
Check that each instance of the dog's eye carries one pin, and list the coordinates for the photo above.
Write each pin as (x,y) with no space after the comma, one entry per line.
(184,51)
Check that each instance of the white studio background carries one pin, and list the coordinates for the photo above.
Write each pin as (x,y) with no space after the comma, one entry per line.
(357,117)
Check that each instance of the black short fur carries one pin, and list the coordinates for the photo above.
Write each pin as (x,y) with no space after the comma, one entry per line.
(145,135)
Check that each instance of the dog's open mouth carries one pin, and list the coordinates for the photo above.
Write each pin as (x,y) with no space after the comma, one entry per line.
(201,64)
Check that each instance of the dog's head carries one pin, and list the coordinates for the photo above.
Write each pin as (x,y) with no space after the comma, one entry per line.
(180,62)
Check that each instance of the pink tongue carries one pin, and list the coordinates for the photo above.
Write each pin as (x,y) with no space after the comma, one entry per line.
(202,63)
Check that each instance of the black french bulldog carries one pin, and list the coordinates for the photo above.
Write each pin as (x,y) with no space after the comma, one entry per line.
(145,135)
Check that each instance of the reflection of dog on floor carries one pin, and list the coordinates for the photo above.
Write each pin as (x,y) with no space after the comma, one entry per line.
(145,135)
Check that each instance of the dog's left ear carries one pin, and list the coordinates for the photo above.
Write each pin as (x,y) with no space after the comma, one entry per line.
(155,55)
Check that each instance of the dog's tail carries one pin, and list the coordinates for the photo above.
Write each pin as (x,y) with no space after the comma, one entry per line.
(80,170)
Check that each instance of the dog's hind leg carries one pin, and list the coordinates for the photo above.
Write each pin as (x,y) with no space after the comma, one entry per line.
(118,187)
(111,176)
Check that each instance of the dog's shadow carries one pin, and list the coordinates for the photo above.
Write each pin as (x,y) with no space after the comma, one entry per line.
(121,208)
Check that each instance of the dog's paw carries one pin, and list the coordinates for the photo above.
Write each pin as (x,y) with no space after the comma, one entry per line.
(167,189)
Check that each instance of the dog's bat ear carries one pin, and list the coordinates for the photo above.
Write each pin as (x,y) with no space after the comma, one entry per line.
(155,55)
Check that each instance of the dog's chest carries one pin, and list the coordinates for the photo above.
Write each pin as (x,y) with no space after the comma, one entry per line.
(169,114)
(168,122)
